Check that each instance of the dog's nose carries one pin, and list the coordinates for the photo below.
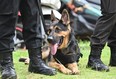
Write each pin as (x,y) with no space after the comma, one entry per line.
(50,39)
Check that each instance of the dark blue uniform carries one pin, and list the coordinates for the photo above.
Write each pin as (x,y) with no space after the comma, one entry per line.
(29,12)
(108,6)
(105,31)
(31,31)
(105,27)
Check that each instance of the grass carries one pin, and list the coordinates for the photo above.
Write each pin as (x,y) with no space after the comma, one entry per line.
(86,73)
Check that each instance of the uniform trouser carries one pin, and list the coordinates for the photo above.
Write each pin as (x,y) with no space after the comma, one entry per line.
(105,31)
(31,23)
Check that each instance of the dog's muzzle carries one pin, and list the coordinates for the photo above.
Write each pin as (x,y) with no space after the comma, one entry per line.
(53,44)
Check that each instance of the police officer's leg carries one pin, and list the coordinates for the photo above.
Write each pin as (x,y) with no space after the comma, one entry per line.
(101,33)
(112,45)
(31,22)
(8,15)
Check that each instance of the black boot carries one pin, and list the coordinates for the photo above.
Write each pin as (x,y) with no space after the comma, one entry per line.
(8,71)
(113,56)
(0,64)
(0,69)
(95,62)
(37,65)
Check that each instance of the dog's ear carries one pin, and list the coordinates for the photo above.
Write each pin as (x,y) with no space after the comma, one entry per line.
(53,18)
(65,17)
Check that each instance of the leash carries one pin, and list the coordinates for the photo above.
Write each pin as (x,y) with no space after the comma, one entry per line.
(43,33)
(42,22)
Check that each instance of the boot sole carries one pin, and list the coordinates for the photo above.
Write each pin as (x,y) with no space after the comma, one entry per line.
(97,69)
(39,72)
(11,77)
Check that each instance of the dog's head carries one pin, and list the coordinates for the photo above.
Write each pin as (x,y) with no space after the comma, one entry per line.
(58,32)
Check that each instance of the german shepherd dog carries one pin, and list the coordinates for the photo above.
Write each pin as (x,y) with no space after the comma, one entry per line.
(63,50)
(64,46)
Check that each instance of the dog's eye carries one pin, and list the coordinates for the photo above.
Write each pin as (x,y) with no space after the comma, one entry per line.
(58,29)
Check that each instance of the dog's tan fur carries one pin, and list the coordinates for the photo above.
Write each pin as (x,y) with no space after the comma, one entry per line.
(70,68)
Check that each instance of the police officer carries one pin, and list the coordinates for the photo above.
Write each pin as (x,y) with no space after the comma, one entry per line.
(105,31)
(31,32)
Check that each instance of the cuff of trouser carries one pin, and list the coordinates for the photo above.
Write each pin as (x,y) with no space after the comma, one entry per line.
(6,45)
(34,44)
(113,47)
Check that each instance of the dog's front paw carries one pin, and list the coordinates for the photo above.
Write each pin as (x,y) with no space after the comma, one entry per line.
(74,68)
(66,71)
(75,71)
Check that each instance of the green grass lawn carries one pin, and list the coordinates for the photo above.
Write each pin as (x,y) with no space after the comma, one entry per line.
(22,69)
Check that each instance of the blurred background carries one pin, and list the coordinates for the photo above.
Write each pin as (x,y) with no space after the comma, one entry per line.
(83,18)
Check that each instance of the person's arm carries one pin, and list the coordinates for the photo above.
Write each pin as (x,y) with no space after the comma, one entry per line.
(70,5)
